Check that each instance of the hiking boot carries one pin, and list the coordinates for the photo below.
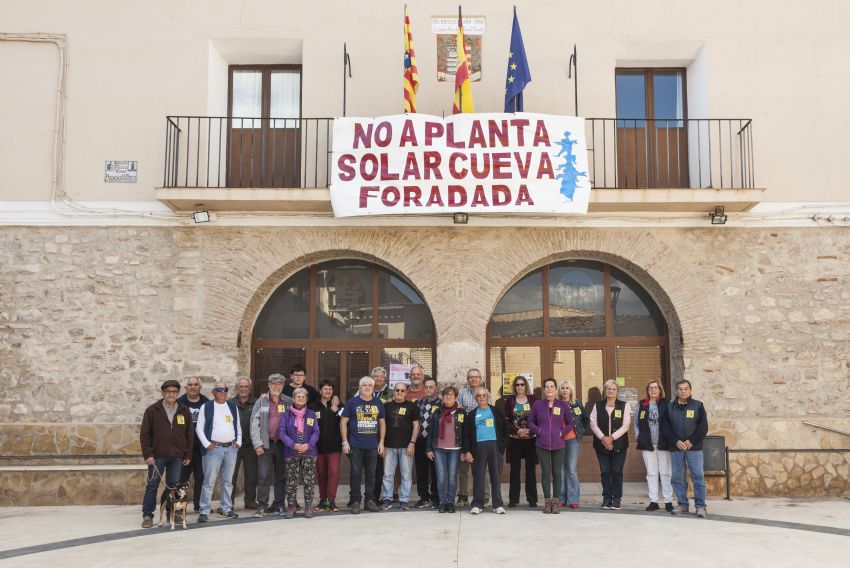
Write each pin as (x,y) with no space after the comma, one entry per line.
(701,512)
(652,507)
(371,506)
(355,508)
(290,513)
(547,506)
(147,521)
(680,510)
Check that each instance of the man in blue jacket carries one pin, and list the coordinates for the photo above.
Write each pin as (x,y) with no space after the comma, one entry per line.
(685,427)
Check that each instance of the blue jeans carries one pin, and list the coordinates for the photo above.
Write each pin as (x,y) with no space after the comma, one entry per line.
(570,486)
(223,459)
(446,462)
(172,468)
(693,460)
(405,462)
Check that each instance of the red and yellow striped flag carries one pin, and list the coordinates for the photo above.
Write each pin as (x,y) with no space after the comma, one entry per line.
(411,74)
(463,88)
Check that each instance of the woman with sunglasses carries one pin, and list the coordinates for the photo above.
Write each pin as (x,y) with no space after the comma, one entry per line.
(551,421)
(517,408)
(653,446)
(570,486)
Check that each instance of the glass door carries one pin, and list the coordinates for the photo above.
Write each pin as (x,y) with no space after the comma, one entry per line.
(344,369)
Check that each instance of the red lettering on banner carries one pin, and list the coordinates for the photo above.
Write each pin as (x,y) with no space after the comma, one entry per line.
(432,165)
(495,133)
(346,172)
(435,198)
(450,137)
(408,134)
(485,167)
(501,165)
(386,174)
(520,124)
(362,136)
(411,167)
(366,193)
(476,137)
(478,197)
(457,196)
(412,194)
(501,195)
(523,196)
(383,134)
(541,136)
(522,167)
(432,130)
(456,173)
(366,160)
(385,196)
(545,168)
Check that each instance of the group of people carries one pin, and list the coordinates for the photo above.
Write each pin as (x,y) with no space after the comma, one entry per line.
(294,431)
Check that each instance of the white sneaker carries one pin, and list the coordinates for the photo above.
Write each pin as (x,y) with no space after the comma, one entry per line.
(475,511)
(499,511)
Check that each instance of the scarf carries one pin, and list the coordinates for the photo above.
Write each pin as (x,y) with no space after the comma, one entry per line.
(298,413)
(446,419)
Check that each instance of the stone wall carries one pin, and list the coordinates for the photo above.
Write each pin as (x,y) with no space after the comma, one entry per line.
(92,320)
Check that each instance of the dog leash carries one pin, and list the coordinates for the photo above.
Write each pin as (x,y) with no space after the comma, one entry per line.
(162,477)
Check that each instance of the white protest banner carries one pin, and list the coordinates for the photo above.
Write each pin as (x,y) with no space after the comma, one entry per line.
(477,163)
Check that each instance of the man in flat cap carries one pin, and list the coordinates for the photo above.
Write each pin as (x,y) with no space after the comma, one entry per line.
(166,438)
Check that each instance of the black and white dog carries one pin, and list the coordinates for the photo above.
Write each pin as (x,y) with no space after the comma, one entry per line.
(173,503)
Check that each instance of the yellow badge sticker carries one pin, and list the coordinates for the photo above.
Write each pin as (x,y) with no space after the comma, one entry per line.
(526,406)
(310,422)
(689,414)
(489,422)
(618,413)
(577,411)
(281,408)
(642,414)
(460,417)
(228,419)
(434,408)
(180,419)
(556,410)
(318,415)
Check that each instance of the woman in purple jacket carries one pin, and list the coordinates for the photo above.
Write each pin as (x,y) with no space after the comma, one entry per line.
(550,420)
(299,432)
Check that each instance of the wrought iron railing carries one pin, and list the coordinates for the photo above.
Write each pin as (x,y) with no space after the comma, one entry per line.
(222,152)
(691,153)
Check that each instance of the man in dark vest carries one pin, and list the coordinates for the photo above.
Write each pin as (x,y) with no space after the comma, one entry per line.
(246,457)
(685,427)
(194,401)
(220,433)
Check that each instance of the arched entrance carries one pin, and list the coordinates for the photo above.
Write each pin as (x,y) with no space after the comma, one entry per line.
(340,319)
(583,321)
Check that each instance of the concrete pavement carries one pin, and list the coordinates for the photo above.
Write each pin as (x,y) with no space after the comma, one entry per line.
(742,532)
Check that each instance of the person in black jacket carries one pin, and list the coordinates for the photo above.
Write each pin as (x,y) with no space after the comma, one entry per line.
(330,445)
(485,435)
(653,445)
(685,426)
(610,420)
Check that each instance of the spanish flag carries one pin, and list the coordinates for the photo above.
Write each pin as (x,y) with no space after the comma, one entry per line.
(463,89)
(411,74)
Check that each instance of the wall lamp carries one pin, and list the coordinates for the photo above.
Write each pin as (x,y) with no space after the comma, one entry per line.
(461,218)
(719,216)
(201,215)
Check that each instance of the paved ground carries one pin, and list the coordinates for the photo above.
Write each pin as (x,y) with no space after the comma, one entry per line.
(741,532)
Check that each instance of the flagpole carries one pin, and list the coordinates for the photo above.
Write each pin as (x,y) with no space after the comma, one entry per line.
(574,66)
(460,91)
(346,63)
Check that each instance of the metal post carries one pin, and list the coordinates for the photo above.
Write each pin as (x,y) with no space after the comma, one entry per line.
(573,68)
(346,66)
(728,489)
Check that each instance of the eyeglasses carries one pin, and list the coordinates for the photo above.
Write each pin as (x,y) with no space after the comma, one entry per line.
(400,390)
(480,396)
(221,389)
(171,391)
(521,384)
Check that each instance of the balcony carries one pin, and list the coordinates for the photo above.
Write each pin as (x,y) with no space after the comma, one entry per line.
(284,164)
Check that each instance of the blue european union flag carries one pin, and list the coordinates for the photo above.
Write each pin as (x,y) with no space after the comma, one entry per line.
(519,75)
